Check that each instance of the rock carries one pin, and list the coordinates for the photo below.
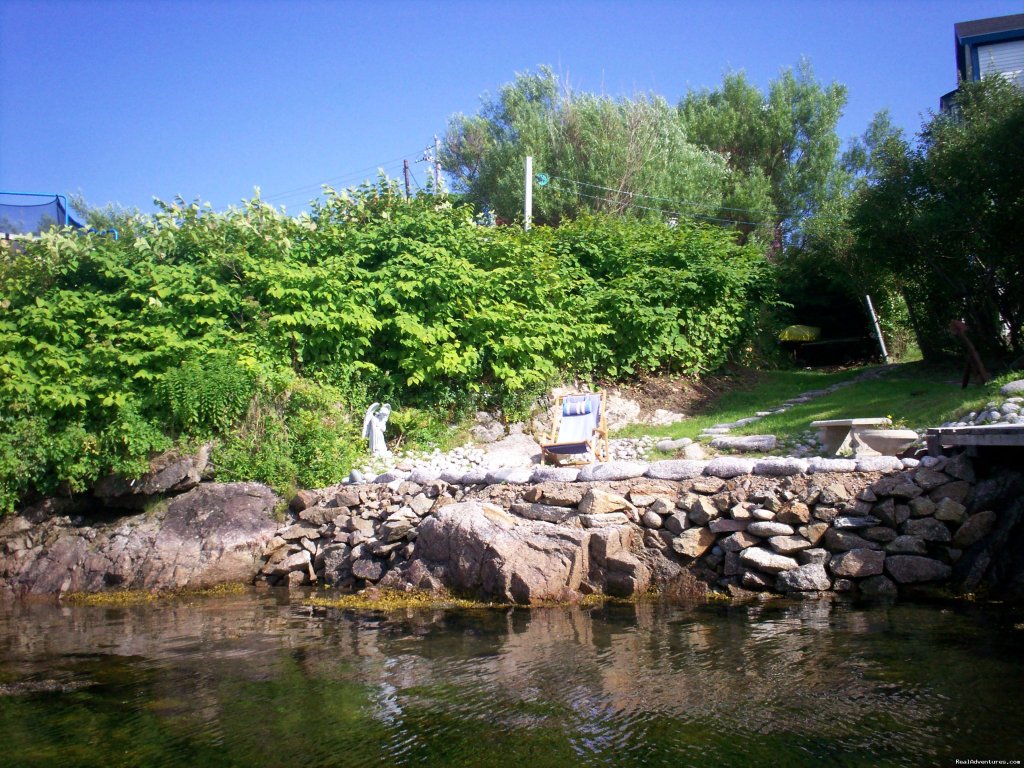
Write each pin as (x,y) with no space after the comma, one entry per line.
(815,555)
(516,450)
(765,528)
(668,446)
(880,533)
(347,497)
(515,475)
(304,499)
(738,541)
(694,452)
(612,470)
(806,578)
(960,467)
(929,479)
(780,467)
(857,563)
(554,474)
(663,507)
(788,545)
(818,464)
(851,523)
(676,522)
(906,545)
(878,587)
(708,485)
(889,513)
(927,528)
(420,504)
(958,490)
(766,560)
(693,542)
(725,525)
(726,467)
(813,532)
(296,561)
(355,477)
(878,464)
(950,511)
(597,501)
(601,520)
(390,476)
(922,506)
(651,519)
(703,511)
(479,548)
(1012,388)
(756,580)
(911,569)
(169,473)
(675,469)
(368,568)
(906,490)
(794,513)
(563,495)
(746,443)
(335,562)
(545,512)
(974,529)
(843,541)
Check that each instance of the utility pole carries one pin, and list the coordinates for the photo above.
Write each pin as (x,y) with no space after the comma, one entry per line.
(878,330)
(405,170)
(437,164)
(528,194)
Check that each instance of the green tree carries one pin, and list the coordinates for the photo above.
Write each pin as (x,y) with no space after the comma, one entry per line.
(782,146)
(604,155)
(945,218)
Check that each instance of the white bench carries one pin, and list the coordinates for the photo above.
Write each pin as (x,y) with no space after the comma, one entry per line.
(843,435)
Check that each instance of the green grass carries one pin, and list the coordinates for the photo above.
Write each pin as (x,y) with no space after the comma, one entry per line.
(915,395)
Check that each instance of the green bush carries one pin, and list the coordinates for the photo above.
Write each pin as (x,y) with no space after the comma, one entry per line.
(272,334)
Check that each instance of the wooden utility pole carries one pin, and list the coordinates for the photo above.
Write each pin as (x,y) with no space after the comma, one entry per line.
(528,194)
(405,170)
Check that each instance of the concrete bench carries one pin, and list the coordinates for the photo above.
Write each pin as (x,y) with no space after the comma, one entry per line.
(842,435)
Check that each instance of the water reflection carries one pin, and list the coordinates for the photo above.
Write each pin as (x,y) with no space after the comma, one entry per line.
(258,680)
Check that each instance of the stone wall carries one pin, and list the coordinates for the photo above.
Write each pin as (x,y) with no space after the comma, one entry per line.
(528,535)
(871,533)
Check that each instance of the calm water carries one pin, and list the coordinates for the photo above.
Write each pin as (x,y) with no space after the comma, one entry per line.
(256,680)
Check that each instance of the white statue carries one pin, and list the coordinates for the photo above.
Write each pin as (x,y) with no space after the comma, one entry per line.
(374,424)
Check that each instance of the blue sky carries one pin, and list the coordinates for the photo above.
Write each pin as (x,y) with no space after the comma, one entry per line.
(127,101)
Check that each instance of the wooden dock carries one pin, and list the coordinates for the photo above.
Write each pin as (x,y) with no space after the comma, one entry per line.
(999,435)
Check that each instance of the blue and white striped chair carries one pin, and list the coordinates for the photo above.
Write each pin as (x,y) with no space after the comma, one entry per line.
(580,430)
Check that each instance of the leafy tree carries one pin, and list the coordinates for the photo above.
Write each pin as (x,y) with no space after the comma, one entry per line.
(782,146)
(945,217)
(604,155)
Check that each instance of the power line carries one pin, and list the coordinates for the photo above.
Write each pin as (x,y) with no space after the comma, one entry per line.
(334,181)
(779,214)
(675,213)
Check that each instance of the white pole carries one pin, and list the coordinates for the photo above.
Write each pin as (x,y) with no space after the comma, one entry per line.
(878,329)
(437,165)
(528,196)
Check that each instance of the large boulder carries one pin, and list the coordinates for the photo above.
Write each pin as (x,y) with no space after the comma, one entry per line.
(216,533)
(169,473)
(479,548)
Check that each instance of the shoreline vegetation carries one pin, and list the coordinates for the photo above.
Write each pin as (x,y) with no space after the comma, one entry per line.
(266,336)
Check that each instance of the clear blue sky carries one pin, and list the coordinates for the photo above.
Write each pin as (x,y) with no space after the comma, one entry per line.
(126,101)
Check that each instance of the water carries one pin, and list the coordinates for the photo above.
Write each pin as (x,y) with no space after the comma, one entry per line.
(258,680)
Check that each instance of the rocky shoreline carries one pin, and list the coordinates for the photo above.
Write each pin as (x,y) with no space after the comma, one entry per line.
(873,527)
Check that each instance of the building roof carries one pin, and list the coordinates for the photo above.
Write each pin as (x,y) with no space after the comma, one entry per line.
(989,26)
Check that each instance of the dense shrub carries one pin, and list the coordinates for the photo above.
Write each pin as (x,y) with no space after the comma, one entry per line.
(270,334)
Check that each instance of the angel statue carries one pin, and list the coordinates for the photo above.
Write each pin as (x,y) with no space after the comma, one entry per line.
(374,423)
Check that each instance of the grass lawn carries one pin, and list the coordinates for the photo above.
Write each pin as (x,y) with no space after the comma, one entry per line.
(915,395)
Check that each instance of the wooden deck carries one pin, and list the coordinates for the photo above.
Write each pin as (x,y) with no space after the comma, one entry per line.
(1005,435)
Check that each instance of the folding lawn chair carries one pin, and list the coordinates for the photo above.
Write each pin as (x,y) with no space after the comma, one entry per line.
(579,429)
